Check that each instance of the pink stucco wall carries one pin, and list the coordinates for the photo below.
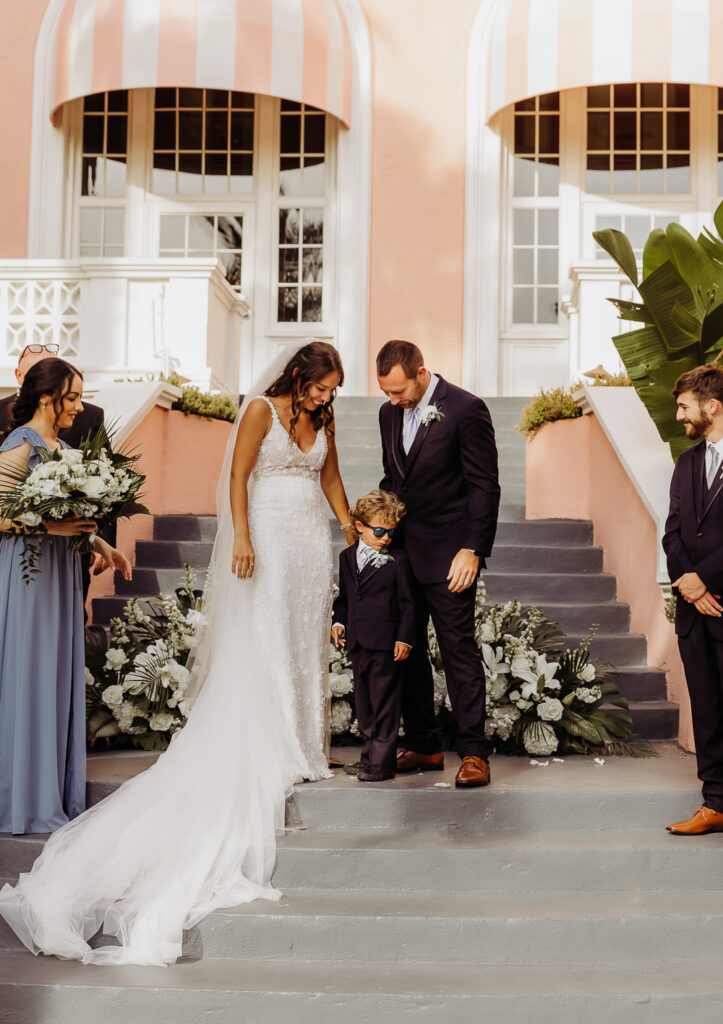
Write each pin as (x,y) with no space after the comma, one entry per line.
(574,473)
(181,457)
(20,25)
(418,152)
(417,222)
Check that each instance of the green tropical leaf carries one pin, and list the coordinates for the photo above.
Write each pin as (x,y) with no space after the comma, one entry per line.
(640,348)
(660,291)
(616,245)
(656,251)
(632,311)
(712,246)
(688,323)
(691,259)
(712,329)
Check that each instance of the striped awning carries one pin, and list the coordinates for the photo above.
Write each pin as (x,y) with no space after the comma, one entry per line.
(294,49)
(539,46)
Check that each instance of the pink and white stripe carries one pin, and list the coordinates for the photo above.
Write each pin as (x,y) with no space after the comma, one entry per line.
(295,49)
(539,46)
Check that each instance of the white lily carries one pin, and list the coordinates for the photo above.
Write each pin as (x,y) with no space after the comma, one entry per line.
(494,662)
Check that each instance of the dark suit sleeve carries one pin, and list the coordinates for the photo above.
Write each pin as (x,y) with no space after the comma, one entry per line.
(340,613)
(407,628)
(679,561)
(386,481)
(478,453)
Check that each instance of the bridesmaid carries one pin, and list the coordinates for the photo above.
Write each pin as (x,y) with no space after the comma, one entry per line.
(42,656)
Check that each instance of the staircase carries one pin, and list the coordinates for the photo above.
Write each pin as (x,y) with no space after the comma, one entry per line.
(552,564)
(553,897)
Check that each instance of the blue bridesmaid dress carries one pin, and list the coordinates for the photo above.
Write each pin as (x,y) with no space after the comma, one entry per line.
(42,680)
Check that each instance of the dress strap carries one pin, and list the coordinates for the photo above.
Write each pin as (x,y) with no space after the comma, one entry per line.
(271,405)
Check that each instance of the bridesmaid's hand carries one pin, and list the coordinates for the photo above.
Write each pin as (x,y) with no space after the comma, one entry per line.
(242,563)
(107,557)
(71,527)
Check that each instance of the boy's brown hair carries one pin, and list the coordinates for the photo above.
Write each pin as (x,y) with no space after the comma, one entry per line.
(378,503)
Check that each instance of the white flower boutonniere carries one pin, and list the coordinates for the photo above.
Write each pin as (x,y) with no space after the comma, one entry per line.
(430,414)
(381,558)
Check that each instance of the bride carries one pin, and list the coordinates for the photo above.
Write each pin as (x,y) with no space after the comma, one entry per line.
(197,830)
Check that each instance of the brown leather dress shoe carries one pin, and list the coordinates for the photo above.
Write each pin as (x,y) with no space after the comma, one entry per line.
(704,820)
(411,761)
(474,771)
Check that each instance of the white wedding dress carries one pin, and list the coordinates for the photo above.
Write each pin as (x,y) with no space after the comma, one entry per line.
(197,831)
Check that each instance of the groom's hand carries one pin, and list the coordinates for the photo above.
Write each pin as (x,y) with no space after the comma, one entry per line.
(691,587)
(708,605)
(463,570)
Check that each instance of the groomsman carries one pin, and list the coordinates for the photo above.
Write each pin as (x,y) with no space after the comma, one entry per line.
(440,459)
(88,421)
(693,542)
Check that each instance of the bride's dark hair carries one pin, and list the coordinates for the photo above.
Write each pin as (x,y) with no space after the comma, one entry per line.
(310,364)
(51,376)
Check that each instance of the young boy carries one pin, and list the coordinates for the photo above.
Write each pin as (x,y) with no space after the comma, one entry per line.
(374,617)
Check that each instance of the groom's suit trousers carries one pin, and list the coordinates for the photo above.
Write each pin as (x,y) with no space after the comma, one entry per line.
(702,654)
(453,618)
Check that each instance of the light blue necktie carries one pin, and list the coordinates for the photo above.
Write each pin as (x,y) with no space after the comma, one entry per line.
(364,557)
(714,463)
(412,428)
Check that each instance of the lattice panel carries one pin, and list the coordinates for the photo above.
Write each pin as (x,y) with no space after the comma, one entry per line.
(41,312)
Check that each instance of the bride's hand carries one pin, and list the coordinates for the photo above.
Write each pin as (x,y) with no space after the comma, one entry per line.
(242,563)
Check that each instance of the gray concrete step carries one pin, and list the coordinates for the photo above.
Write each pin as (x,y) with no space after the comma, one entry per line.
(518,556)
(534,587)
(36,991)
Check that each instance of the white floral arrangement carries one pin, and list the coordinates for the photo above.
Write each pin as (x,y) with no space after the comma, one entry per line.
(136,675)
(542,698)
(92,481)
(429,414)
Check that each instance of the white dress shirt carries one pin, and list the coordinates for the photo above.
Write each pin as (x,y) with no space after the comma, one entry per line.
(412,417)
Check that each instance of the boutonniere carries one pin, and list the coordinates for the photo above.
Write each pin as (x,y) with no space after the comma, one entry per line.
(381,558)
(430,414)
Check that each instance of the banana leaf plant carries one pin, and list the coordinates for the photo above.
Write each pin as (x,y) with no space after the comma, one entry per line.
(680,317)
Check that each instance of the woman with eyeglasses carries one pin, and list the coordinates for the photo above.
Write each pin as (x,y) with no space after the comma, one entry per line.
(88,421)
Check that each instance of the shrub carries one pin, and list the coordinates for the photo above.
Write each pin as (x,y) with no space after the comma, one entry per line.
(559,404)
(194,402)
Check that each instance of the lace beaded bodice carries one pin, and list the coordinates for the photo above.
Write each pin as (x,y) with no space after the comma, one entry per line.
(279,454)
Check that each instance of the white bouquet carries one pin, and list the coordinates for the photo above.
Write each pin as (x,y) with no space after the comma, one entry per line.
(92,481)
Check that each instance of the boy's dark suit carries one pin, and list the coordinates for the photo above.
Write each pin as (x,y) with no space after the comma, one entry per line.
(449,484)
(693,542)
(376,609)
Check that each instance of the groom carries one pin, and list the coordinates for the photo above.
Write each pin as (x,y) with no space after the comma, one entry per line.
(440,459)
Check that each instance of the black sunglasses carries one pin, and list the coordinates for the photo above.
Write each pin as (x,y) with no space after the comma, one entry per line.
(379,531)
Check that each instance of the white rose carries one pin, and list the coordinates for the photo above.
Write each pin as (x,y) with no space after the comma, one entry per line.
(93,487)
(587,674)
(71,455)
(115,659)
(112,696)
(520,663)
(588,695)
(161,722)
(550,710)
(341,716)
(179,674)
(340,684)
(30,518)
(195,619)
(89,677)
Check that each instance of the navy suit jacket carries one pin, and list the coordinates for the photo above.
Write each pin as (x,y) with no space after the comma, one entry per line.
(448,481)
(693,540)
(376,608)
